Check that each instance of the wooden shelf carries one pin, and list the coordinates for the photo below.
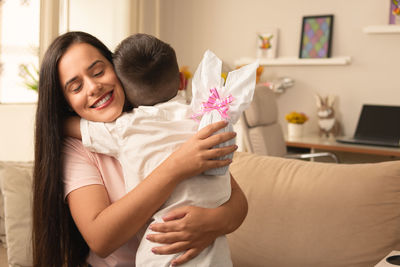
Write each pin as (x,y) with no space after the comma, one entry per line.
(382,29)
(296,61)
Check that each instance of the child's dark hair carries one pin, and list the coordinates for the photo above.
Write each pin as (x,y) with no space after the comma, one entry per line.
(147,68)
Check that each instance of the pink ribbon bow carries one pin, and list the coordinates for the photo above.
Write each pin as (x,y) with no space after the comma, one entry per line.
(215,102)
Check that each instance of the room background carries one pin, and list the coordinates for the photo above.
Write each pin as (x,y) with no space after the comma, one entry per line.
(229,27)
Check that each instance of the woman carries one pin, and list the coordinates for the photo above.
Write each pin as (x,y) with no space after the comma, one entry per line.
(79,206)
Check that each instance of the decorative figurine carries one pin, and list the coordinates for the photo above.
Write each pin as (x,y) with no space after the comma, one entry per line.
(328,125)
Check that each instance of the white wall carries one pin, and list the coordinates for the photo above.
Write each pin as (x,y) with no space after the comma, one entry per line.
(108,20)
(228,27)
(16,137)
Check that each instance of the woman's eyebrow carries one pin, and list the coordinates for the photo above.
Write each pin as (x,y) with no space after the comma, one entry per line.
(94,63)
(74,78)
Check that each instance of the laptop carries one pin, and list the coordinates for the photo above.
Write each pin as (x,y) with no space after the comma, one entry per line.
(377,125)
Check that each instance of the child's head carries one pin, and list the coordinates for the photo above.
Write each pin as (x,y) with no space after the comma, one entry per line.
(147,68)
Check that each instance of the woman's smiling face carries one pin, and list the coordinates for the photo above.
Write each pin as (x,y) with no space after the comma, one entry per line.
(89,83)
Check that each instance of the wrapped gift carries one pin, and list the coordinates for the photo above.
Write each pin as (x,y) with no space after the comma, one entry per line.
(214,101)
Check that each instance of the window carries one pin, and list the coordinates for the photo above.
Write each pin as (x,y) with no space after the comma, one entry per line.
(19,49)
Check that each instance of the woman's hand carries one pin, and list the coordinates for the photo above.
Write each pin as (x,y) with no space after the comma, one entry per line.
(197,155)
(190,229)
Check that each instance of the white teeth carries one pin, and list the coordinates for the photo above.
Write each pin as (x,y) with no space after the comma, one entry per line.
(102,101)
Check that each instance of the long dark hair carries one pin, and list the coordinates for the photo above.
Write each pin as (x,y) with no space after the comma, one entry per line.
(56,239)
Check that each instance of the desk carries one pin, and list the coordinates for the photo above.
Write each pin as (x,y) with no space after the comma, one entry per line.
(314,142)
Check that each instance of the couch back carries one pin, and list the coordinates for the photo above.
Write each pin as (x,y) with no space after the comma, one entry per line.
(316,214)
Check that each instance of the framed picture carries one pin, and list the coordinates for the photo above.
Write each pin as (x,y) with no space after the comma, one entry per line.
(394,15)
(316,36)
(267,42)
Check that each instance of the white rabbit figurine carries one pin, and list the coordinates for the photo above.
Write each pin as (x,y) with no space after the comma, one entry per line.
(328,125)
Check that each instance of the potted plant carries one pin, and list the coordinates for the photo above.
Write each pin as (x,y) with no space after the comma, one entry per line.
(295,121)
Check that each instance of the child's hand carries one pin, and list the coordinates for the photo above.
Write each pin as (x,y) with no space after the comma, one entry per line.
(197,155)
(72,127)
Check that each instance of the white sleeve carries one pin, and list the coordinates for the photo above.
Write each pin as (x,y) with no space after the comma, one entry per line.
(100,137)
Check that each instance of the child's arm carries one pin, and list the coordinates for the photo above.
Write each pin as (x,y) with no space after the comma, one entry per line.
(72,127)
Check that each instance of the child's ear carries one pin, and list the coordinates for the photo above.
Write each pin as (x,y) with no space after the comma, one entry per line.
(182,81)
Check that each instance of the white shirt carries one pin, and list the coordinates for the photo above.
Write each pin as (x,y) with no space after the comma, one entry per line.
(141,140)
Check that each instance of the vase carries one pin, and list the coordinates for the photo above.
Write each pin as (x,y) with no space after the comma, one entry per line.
(295,130)
(397,20)
(265,53)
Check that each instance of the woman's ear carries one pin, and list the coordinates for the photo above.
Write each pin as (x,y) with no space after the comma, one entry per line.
(182,81)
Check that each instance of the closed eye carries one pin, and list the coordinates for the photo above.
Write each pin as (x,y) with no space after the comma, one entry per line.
(76,89)
(97,74)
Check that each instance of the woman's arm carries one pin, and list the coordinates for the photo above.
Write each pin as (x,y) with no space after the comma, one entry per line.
(192,229)
(106,226)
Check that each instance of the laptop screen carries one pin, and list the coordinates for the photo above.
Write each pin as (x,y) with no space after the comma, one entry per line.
(379,122)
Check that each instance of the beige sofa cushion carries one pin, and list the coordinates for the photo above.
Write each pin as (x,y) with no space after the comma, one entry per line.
(16,184)
(316,214)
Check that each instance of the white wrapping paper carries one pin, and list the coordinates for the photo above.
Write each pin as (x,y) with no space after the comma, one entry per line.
(239,84)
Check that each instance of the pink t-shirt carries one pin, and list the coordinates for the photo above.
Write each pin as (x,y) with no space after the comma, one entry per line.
(81,168)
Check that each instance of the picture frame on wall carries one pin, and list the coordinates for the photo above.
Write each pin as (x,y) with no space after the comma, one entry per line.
(394,14)
(267,42)
(316,36)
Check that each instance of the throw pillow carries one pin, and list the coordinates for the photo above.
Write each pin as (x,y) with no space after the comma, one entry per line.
(16,185)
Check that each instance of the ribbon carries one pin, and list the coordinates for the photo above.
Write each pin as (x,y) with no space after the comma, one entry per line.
(215,102)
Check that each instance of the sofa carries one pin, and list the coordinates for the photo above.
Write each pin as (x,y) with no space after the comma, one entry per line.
(300,213)
(15,214)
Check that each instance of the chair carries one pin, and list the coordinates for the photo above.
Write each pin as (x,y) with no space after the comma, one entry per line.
(262,132)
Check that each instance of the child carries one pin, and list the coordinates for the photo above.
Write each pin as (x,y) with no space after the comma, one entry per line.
(148,70)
